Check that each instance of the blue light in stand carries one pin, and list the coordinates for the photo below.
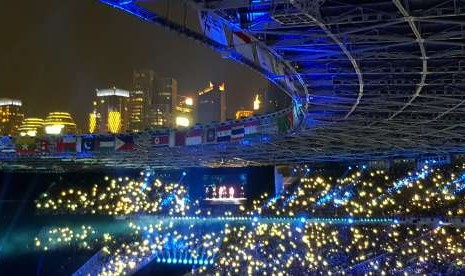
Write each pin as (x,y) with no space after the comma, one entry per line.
(184,173)
(350,220)
(255,219)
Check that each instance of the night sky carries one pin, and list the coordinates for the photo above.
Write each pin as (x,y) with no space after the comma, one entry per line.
(55,53)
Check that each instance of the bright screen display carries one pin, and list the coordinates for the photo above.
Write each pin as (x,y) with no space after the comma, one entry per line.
(224,189)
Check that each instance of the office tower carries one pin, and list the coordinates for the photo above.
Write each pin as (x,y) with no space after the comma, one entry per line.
(136,111)
(184,114)
(212,104)
(11,116)
(145,87)
(272,99)
(111,112)
(165,102)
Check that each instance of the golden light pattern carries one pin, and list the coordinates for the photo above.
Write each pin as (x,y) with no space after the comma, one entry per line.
(92,122)
(114,122)
(31,127)
(243,114)
(60,123)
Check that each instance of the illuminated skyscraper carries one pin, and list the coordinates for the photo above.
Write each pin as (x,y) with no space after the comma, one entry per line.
(271,100)
(136,111)
(212,104)
(184,114)
(165,102)
(153,100)
(143,97)
(58,123)
(32,127)
(11,116)
(111,112)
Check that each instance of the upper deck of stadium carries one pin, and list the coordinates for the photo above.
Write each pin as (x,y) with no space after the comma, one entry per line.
(368,80)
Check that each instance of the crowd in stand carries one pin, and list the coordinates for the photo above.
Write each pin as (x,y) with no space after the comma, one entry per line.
(300,247)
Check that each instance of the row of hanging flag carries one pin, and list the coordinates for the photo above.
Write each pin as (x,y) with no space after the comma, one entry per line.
(224,133)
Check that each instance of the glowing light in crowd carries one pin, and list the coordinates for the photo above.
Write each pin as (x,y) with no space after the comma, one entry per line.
(367,230)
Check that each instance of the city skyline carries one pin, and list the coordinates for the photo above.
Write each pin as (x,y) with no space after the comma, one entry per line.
(55,58)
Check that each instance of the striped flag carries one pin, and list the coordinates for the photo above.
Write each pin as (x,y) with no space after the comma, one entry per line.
(237,132)
(194,137)
(25,145)
(223,134)
(67,144)
(251,127)
(106,143)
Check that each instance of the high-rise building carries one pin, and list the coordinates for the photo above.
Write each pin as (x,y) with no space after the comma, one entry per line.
(32,127)
(136,111)
(145,87)
(11,116)
(59,123)
(184,115)
(272,99)
(111,111)
(153,100)
(165,102)
(212,104)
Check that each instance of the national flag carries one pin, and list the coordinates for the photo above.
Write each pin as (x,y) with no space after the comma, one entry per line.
(7,145)
(180,138)
(106,143)
(210,137)
(251,127)
(161,140)
(194,137)
(43,145)
(237,132)
(66,144)
(243,45)
(87,143)
(124,143)
(25,145)
(223,134)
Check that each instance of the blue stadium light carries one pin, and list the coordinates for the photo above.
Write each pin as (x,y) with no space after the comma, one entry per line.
(184,173)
